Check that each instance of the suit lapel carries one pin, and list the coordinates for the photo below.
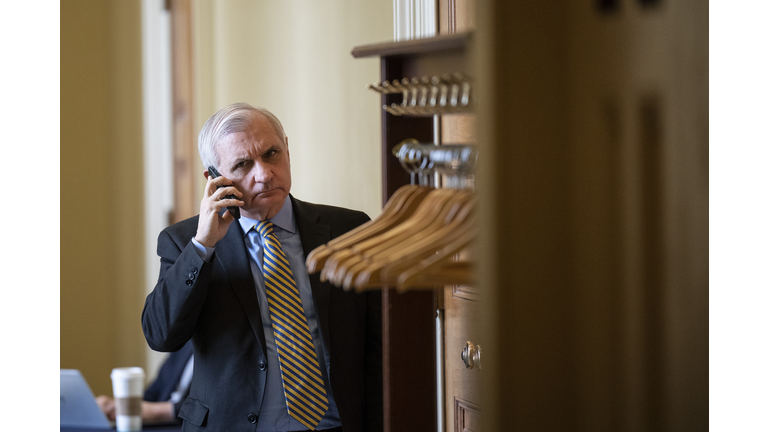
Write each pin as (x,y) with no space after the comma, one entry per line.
(233,257)
(313,234)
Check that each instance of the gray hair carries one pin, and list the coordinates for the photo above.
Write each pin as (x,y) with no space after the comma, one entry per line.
(230,119)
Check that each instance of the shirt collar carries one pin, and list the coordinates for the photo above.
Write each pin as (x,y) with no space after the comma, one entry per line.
(283,219)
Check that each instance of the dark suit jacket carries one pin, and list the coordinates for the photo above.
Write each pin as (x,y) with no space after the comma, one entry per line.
(169,376)
(215,304)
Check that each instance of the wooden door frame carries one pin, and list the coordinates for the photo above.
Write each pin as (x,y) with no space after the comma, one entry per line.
(186,197)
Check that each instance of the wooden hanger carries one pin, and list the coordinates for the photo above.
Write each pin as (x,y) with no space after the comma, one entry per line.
(406,243)
(416,224)
(339,261)
(425,213)
(427,272)
(386,266)
(406,207)
(334,261)
(317,258)
(391,272)
(440,232)
(396,209)
(448,273)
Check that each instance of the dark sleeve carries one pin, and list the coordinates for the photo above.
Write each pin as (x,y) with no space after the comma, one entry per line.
(154,391)
(374,386)
(373,365)
(172,308)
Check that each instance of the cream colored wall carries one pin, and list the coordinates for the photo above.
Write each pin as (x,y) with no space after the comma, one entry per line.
(293,57)
(102,279)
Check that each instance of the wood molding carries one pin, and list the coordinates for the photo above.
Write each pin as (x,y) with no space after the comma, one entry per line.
(466,416)
(408,353)
(185,196)
(411,47)
(451,16)
(466,292)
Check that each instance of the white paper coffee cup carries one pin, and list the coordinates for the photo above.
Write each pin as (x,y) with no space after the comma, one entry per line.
(128,390)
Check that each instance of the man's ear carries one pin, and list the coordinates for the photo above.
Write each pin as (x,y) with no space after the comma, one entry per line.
(205,174)
(287,150)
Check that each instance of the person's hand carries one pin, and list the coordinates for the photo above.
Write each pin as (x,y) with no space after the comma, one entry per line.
(211,227)
(107,405)
(151,412)
(157,412)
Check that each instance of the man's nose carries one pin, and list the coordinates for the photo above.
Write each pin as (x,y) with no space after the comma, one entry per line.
(261,172)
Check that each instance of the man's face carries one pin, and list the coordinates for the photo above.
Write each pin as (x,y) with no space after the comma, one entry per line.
(259,165)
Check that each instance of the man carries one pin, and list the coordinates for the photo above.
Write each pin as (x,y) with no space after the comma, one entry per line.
(164,397)
(275,349)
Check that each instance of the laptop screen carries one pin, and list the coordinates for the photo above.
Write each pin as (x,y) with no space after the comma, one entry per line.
(78,405)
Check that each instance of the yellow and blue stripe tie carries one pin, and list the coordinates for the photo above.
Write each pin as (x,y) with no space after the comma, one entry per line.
(303,385)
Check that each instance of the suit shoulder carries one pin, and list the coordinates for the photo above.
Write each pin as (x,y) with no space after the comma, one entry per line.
(340,220)
(341,212)
(183,230)
(332,212)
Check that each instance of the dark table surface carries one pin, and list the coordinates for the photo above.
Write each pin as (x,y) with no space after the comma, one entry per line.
(167,428)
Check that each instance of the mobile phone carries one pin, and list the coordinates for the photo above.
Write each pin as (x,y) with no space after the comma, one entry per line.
(235,210)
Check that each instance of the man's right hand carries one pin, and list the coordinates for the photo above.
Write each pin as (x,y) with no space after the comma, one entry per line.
(212,227)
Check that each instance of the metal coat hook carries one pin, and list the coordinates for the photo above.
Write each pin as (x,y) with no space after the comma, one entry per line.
(455,161)
(428,95)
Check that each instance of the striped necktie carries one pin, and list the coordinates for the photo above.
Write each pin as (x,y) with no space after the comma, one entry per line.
(303,385)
